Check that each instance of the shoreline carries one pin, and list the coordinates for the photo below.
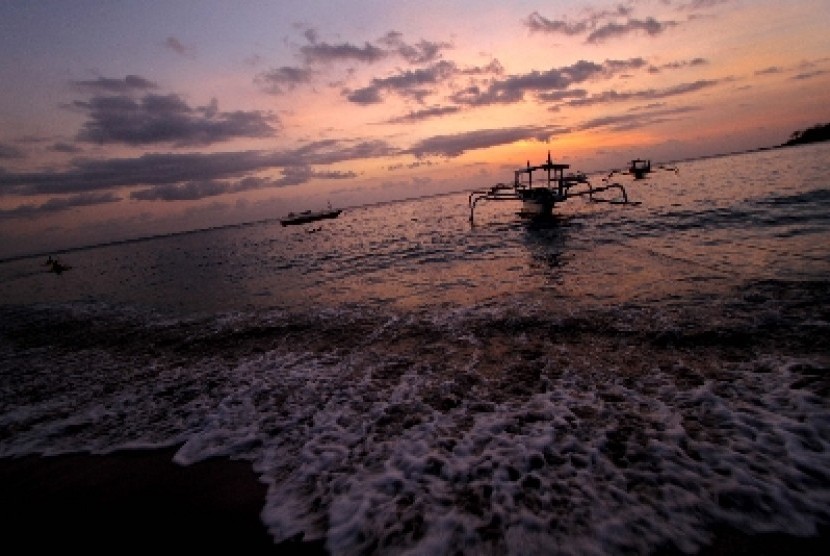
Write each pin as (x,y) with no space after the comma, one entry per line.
(142,500)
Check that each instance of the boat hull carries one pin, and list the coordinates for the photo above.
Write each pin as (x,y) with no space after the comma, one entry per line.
(306,217)
(538,202)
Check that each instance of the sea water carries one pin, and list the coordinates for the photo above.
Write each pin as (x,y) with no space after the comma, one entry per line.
(618,379)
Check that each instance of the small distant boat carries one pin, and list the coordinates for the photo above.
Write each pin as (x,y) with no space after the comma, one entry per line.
(639,168)
(307,216)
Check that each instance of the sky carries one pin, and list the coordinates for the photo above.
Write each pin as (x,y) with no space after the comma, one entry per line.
(126,119)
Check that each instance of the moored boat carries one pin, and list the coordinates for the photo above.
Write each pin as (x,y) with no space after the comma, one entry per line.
(541,187)
(307,216)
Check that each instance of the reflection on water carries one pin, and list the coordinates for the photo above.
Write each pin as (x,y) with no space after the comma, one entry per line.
(715,223)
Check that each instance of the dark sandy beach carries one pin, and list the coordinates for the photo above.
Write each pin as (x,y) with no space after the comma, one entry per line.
(136,500)
(141,500)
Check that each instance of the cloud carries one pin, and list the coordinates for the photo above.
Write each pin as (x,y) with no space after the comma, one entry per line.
(166,119)
(61,147)
(701,4)
(157,169)
(407,83)
(598,26)
(458,143)
(175,170)
(769,71)
(646,94)
(513,88)
(427,113)
(680,64)
(635,119)
(9,152)
(130,84)
(323,53)
(279,80)
(176,46)
(365,96)
(59,204)
(422,52)
(195,190)
(649,26)
(537,23)
(809,75)
(556,96)
(540,24)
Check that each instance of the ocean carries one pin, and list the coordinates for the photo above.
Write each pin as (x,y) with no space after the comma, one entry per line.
(619,379)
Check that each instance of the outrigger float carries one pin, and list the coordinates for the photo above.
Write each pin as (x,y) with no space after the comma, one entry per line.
(539,197)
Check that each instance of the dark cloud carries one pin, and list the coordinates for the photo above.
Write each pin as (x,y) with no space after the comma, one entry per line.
(680,64)
(10,152)
(279,80)
(130,84)
(318,53)
(59,204)
(598,26)
(176,46)
(649,26)
(365,96)
(61,147)
(458,143)
(540,24)
(172,173)
(194,190)
(809,74)
(422,52)
(769,71)
(513,88)
(537,23)
(635,119)
(166,119)
(701,4)
(646,94)
(421,115)
(558,96)
(408,83)
(476,96)
(191,191)
(493,68)
(391,45)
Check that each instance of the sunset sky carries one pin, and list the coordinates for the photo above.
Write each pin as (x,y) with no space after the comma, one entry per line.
(126,119)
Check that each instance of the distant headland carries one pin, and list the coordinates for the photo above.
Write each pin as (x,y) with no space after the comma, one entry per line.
(815,134)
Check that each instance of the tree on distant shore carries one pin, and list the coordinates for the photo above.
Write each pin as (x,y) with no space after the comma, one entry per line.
(819,132)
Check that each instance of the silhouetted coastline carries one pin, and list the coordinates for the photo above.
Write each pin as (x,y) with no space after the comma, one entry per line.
(814,134)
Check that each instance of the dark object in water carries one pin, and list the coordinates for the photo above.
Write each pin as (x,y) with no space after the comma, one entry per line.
(640,168)
(56,266)
(540,195)
(309,216)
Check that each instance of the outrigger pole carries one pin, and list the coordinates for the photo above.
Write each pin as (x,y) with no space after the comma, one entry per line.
(555,187)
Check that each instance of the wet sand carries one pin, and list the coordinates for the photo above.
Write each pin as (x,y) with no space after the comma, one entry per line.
(141,500)
(136,500)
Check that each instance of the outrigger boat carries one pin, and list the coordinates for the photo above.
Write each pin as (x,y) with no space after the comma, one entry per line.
(539,197)
(309,216)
